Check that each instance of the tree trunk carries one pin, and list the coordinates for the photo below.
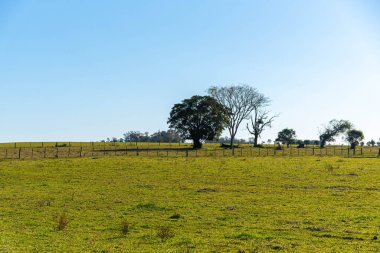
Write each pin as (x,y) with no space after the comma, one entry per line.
(232,144)
(255,139)
(197,144)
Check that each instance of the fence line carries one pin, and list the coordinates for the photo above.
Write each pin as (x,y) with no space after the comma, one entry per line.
(92,151)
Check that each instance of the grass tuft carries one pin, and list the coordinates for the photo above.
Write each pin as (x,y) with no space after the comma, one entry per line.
(125,226)
(164,233)
(63,221)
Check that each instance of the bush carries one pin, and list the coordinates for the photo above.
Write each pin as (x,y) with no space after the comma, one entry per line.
(164,233)
(124,227)
(63,221)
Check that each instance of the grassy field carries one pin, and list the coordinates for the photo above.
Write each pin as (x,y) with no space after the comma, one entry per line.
(204,204)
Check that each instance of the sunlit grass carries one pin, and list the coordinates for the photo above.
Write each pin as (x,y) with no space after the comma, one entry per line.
(204,204)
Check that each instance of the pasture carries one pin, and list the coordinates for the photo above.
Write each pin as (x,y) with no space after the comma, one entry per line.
(193,204)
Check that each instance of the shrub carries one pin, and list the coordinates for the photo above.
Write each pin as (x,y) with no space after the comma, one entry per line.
(124,227)
(63,221)
(164,233)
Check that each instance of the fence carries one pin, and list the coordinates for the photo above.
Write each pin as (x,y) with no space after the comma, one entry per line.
(94,151)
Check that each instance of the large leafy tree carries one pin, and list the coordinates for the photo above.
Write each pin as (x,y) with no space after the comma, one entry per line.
(333,129)
(198,118)
(240,100)
(287,136)
(353,137)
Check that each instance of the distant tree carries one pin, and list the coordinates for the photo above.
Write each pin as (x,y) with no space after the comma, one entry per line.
(198,118)
(334,128)
(240,101)
(362,143)
(354,137)
(307,142)
(371,143)
(224,139)
(166,136)
(133,136)
(269,141)
(286,136)
(259,121)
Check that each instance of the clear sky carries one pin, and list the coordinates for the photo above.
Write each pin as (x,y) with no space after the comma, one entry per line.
(85,70)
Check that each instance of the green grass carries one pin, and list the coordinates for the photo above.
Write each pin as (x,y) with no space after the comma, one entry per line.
(204,204)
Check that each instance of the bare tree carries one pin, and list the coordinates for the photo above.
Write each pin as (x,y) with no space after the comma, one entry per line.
(260,121)
(240,101)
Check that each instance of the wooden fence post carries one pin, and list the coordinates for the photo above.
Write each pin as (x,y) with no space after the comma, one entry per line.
(32,152)
(80,151)
(6,153)
(187,153)
(378,154)
(19,153)
(44,152)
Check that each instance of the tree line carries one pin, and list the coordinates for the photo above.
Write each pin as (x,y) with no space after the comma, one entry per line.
(203,119)
(137,136)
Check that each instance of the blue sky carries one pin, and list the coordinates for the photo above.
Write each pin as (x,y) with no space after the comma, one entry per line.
(86,70)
